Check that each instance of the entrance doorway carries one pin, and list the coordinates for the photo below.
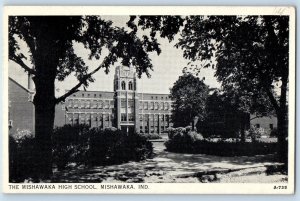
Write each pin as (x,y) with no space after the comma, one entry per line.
(127,129)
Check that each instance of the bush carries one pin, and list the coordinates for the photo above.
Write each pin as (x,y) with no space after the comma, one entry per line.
(95,146)
(255,133)
(70,145)
(152,136)
(182,141)
(21,158)
(114,147)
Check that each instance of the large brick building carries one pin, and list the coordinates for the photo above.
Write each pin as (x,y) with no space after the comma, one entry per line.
(124,108)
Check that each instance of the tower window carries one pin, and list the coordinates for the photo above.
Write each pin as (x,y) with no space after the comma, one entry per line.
(123,117)
(130,85)
(123,85)
(123,103)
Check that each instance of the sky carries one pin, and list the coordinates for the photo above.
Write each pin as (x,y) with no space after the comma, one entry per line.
(167,67)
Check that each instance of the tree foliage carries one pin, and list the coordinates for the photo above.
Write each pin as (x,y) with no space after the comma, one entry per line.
(251,53)
(51,41)
(189,94)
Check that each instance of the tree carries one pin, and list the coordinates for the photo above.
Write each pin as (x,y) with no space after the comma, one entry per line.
(51,40)
(251,53)
(189,94)
(224,116)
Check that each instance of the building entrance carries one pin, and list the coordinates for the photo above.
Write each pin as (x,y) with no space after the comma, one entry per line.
(127,129)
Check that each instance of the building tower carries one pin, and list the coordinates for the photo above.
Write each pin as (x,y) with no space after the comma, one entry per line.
(126,99)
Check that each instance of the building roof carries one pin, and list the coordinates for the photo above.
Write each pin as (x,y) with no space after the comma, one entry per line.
(14,81)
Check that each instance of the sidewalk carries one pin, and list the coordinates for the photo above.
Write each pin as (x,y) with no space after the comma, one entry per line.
(175,167)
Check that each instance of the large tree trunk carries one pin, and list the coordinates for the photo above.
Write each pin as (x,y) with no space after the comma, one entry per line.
(282,122)
(44,102)
(44,119)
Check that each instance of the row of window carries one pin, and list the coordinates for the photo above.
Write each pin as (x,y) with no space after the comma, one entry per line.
(124,102)
(90,104)
(131,85)
(95,117)
(88,95)
(271,126)
(124,117)
(154,106)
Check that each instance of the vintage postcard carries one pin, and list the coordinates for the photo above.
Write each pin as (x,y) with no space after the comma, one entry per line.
(149,100)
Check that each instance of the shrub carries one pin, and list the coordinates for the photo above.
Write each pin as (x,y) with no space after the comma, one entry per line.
(152,136)
(115,147)
(21,158)
(255,133)
(94,146)
(70,145)
(182,141)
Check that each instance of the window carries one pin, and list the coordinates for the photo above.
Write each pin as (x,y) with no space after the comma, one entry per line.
(146,105)
(75,104)
(130,117)
(10,123)
(257,125)
(88,104)
(82,95)
(271,126)
(70,103)
(111,104)
(140,105)
(100,105)
(95,95)
(130,85)
(82,104)
(152,106)
(161,106)
(130,103)
(156,106)
(94,104)
(123,117)
(123,103)
(123,85)
(74,95)
(106,106)
(166,106)
(88,95)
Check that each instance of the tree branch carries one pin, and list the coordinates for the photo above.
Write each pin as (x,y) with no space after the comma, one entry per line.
(76,87)
(22,64)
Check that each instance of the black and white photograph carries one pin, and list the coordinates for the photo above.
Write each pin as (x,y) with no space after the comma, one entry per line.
(170,100)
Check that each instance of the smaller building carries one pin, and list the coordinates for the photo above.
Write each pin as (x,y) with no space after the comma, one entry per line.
(21,109)
(266,124)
